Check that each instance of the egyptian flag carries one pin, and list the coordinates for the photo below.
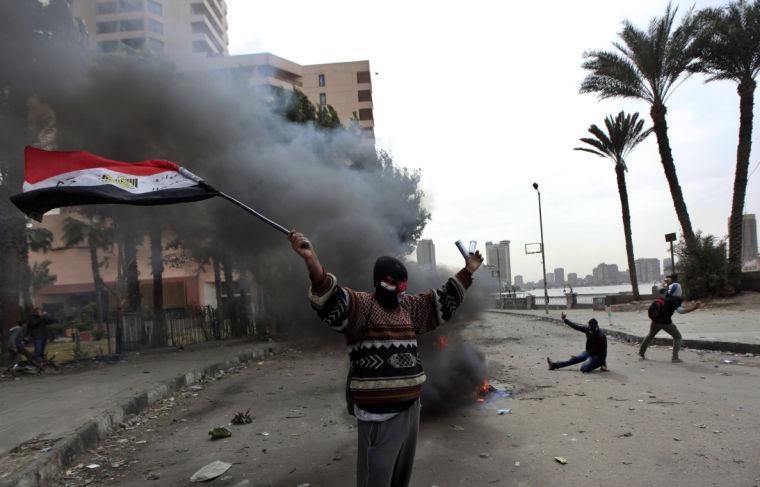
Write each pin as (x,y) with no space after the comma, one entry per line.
(56,179)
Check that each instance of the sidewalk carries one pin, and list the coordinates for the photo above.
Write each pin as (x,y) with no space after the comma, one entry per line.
(73,410)
(709,328)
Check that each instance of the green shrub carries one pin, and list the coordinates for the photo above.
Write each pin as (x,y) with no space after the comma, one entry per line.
(704,270)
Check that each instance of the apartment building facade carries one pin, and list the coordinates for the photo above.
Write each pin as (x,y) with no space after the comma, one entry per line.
(186,31)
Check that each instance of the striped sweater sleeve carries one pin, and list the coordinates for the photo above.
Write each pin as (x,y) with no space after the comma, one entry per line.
(330,301)
(432,309)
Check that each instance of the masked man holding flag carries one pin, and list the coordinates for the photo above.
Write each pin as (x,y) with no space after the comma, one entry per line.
(386,374)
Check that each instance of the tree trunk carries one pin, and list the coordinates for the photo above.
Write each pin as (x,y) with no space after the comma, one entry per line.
(623,190)
(157,269)
(15,134)
(746,90)
(230,292)
(131,273)
(98,281)
(219,300)
(657,113)
(26,278)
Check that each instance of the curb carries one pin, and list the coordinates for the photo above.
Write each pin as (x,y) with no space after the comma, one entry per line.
(717,346)
(43,469)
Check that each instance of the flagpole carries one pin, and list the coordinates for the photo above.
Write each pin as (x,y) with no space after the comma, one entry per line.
(236,202)
(255,213)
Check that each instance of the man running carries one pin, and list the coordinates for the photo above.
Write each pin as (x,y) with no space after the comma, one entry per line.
(673,304)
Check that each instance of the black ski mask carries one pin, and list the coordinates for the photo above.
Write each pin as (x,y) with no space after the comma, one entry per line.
(389,278)
(593,325)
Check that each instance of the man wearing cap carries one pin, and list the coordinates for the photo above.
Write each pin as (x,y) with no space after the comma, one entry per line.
(595,355)
(386,375)
(673,304)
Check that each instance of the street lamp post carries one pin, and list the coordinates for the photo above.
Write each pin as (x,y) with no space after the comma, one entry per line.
(543,255)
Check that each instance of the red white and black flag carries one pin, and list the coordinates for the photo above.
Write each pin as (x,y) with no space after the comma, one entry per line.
(56,179)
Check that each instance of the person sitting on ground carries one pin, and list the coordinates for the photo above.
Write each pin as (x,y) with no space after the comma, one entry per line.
(595,355)
(16,337)
(386,374)
(673,304)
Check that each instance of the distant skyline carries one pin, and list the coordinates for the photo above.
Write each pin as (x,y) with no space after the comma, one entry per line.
(483,98)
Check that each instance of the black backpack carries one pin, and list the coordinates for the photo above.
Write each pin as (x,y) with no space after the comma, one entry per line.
(656,309)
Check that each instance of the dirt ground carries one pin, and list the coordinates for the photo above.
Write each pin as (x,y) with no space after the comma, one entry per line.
(644,423)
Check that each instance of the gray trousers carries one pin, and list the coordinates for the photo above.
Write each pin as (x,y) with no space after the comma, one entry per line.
(386,449)
(655,328)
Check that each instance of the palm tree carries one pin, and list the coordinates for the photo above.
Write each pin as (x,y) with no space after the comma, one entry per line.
(37,240)
(649,65)
(96,235)
(41,276)
(729,49)
(623,134)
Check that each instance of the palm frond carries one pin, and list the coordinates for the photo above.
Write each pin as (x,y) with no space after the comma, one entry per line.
(729,42)
(649,63)
(623,133)
(612,76)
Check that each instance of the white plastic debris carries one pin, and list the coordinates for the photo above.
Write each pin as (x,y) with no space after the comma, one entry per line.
(210,471)
(93,466)
(504,411)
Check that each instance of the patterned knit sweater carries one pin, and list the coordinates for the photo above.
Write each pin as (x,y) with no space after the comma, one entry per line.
(386,371)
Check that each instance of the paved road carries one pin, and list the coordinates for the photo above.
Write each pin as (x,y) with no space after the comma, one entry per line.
(648,423)
(710,323)
(54,405)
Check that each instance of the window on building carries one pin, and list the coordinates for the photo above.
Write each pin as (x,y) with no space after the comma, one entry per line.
(106,27)
(365,95)
(201,46)
(155,8)
(365,114)
(131,5)
(104,8)
(155,26)
(134,43)
(132,25)
(362,77)
(108,46)
(321,79)
(323,99)
(155,45)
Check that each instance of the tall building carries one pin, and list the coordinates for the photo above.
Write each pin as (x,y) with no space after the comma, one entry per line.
(667,266)
(347,87)
(426,254)
(519,282)
(187,31)
(550,279)
(749,239)
(648,270)
(572,279)
(605,274)
(497,255)
(193,33)
(559,276)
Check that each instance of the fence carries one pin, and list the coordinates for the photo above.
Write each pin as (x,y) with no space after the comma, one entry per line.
(190,326)
(567,301)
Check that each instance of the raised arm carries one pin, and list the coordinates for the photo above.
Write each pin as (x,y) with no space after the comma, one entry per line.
(330,301)
(575,326)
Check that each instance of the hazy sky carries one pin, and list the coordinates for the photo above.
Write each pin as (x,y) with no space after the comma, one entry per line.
(483,98)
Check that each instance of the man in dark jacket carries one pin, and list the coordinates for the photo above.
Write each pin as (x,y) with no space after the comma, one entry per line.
(673,304)
(37,326)
(594,356)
